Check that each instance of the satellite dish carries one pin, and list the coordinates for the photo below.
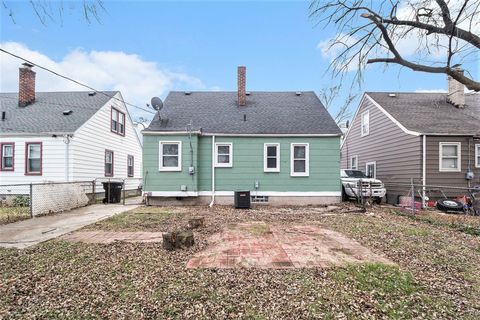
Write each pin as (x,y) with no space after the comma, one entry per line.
(157,103)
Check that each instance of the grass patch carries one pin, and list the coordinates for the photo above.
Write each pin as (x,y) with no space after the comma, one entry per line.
(140,219)
(12,214)
(257,229)
(378,278)
(465,224)
(388,288)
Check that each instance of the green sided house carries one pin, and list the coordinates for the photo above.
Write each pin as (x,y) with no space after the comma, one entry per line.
(201,147)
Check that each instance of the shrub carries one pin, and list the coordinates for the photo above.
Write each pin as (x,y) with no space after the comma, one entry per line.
(21,201)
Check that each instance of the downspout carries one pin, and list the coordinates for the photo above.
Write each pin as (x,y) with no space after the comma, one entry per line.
(424,170)
(66,140)
(213,172)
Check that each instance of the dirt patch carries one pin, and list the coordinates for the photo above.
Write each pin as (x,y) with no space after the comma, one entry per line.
(260,245)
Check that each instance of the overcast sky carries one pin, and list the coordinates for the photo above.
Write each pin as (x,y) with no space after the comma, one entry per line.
(147,48)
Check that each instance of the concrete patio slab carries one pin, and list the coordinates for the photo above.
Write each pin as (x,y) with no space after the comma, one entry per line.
(259,245)
(106,237)
(26,233)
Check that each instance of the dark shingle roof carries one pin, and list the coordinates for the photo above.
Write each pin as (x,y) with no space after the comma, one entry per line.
(431,113)
(266,113)
(45,115)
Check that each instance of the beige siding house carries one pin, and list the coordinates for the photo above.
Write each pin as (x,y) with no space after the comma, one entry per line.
(432,138)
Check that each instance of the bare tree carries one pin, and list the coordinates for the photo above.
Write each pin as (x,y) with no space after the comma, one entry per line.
(444,32)
(329,96)
(49,11)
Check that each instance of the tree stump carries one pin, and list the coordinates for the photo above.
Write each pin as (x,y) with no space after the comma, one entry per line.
(195,223)
(177,240)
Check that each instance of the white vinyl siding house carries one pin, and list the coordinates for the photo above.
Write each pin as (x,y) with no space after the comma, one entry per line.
(95,136)
(77,155)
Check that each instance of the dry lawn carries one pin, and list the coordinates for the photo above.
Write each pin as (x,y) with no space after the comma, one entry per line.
(437,276)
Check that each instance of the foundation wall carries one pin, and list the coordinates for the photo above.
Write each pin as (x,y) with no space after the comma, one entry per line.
(229,200)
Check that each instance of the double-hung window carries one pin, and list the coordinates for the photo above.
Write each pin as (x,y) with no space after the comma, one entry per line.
(371,169)
(299,162)
(33,165)
(223,154)
(450,156)
(130,163)
(365,124)
(354,162)
(170,156)
(271,157)
(109,162)
(117,121)
(477,155)
(7,153)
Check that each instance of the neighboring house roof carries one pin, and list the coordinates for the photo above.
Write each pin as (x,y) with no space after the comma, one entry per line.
(45,115)
(265,113)
(430,113)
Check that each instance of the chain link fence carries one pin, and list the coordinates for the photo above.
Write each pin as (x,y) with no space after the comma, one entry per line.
(15,202)
(414,196)
(23,201)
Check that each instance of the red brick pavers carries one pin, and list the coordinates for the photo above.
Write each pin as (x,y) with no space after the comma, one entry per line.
(256,244)
(111,236)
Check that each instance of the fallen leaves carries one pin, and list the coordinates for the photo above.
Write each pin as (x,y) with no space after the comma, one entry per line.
(437,276)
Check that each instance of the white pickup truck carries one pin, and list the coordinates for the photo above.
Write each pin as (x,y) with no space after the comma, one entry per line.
(371,188)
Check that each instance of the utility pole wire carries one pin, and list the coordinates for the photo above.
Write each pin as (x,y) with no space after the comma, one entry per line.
(75,81)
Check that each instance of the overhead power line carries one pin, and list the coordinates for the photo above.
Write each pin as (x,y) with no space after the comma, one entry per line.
(75,81)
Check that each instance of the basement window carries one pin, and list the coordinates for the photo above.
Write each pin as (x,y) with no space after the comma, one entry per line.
(259,199)
(450,157)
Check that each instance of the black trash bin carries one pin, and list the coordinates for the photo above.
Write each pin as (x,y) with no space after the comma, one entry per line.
(113,192)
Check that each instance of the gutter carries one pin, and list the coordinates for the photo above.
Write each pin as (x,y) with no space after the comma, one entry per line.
(39,134)
(213,172)
(207,134)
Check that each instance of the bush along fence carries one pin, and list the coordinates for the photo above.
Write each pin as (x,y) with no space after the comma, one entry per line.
(29,200)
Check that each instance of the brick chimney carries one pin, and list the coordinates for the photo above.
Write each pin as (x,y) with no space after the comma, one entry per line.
(241,83)
(456,92)
(26,86)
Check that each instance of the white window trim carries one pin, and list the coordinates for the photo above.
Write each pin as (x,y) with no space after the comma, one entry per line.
(230,158)
(160,160)
(374,168)
(356,163)
(477,155)
(365,113)
(265,146)
(307,160)
(459,145)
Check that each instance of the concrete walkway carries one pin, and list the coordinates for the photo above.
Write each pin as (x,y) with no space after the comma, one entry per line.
(29,232)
